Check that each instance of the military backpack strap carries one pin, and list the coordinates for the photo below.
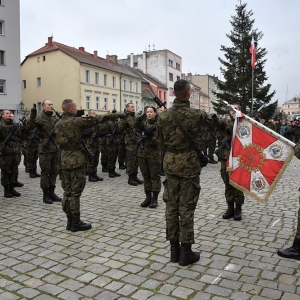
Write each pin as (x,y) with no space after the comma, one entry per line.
(190,141)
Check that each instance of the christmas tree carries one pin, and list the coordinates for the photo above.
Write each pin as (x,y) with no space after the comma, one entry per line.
(237,69)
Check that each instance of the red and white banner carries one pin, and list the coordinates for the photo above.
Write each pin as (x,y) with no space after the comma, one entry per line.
(258,157)
(253,52)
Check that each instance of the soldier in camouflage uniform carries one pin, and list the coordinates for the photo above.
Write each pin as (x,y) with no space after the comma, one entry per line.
(149,157)
(211,144)
(31,145)
(9,154)
(93,144)
(73,159)
(182,167)
(232,195)
(294,250)
(48,155)
(121,150)
(127,125)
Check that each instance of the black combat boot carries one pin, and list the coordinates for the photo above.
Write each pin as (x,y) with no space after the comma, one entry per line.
(18,184)
(187,256)
(147,201)
(97,177)
(111,174)
(13,191)
(80,226)
(122,166)
(31,174)
(69,222)
(292,252)
(52,195)
(153,202)
(104,169)
(116,174)
(46,197)
(230,211)
(175,251)
(35,173)
(238,212)
(136,179)
(7,192)
(92,178)
(131,180)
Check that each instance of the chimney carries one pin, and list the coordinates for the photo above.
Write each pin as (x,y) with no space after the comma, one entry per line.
(49,41)
(144,63)
(114,58)
(81,48)
(131,60)
(107,57)
(96,53)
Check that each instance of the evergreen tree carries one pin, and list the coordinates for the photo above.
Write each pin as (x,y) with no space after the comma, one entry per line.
(237,71)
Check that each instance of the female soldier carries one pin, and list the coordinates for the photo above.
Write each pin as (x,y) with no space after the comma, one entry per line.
(149,156)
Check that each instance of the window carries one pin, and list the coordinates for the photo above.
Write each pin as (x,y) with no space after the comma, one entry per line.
(171,91)
(130,86)
(1,28)
(96,78)
(87,102)
(170,76)
(39,106)
(164,96)
(23,84)
(38,59)
(39,82)
(136,87)
(124,88)
(135,65)
(2,57)
(177,66)
(44,57)
(159,94)
(125,102)
(170,63)
(105,104)
(178,77)
(105,80)
(114,104)
(97,102)
(114,82)
(1,2)
(136,105)
(87,76)
(2,86)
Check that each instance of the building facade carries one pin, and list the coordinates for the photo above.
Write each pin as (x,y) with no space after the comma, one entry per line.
(57,72)
(163,65)
(291,107)
(10,73)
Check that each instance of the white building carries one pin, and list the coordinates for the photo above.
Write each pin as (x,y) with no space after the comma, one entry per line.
(163,65)
(10,70)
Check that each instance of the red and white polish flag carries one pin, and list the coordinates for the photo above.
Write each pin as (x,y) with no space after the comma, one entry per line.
(253,54)
(258,157)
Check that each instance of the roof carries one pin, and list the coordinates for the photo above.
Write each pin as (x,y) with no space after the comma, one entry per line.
(293,100)
(152,79)
(84,57)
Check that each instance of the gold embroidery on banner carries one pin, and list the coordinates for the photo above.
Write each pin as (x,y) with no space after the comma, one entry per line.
(252,158)
(258,183)
(276,151)
(243,131)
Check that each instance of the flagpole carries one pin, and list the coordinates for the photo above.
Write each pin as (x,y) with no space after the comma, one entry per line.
(252,92)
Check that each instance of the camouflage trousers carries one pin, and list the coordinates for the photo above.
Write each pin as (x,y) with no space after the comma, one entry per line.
(93,161)
(150,168)
(103,150)
(49,168)
(121,153)
(231,193)
(9,168)
(131,162)
(73,183)
(32,157)
(112,153)
(181,195)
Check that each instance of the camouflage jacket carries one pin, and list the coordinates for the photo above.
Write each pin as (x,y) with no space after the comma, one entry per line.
(45,122)
(127,126)
(69,135)
(223,133)
(151,149)
(13,146)
(180,159)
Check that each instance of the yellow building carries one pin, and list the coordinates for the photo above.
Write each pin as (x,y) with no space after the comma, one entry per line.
(57,72)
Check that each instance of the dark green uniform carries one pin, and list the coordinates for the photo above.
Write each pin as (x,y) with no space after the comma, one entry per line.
(182,168)
(73,159)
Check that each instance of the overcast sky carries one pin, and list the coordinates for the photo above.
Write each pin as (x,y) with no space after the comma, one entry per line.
(193,29)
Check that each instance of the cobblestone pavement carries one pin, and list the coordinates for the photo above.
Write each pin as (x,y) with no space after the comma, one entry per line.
(126,256)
